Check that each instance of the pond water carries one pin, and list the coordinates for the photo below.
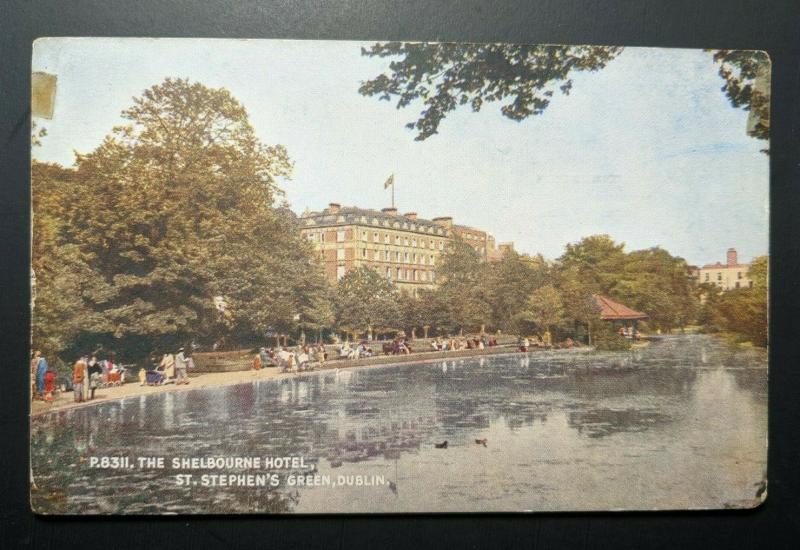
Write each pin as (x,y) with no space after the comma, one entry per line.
(679,424)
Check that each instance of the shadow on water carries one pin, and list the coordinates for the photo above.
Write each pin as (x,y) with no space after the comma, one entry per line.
(374,418)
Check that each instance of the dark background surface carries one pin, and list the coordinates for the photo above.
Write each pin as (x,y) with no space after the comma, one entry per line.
(771,26)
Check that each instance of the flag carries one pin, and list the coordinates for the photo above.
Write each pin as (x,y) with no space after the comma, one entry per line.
(389,182)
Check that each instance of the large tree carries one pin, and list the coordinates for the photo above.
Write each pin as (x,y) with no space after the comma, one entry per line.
(658,283)
(367,301)
(508,284)
(597,260)
(461,278)
(544,308)
(524,78)
(176,208)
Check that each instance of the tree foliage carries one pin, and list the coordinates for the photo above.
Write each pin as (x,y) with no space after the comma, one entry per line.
(742,312)
(522,78)
(508,284)
(746,74)
(367,301)
(175,208)
(544,308)
(462,295)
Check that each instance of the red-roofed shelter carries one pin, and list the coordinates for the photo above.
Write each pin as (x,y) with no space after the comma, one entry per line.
(614,311)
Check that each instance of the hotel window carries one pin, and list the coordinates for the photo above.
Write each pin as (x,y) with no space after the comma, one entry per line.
(707,277)
(739,275)
(363,252)
(396,256)
(424,276)
(433,260)
(719,276)
(388,272)
(375,237)
(340,236)
(413,242)
(424,259)
(322,237)
(364,236)
(737,284)
(416,276)
(397,239)
(405,257)
(311,237)
(340,253)
(433,276)
(399,274)
(386,238)
(339,272)
(405,241)
(406,274)
(441,245)
(415,259)
(750,284)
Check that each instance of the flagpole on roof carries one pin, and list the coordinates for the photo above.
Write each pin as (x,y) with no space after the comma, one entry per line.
(390,181)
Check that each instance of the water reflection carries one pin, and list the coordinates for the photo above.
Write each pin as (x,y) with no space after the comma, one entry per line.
(680,423)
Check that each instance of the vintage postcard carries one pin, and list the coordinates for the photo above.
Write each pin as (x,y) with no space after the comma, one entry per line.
(275,276)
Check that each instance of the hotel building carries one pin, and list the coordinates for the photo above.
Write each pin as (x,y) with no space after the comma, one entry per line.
(402,247)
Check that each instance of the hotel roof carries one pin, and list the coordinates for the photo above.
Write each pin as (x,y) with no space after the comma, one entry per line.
(350,215)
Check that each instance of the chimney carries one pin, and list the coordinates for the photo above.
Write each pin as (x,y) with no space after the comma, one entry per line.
(389,211)
(411,215)
(732,257)
(444,221)
(334,207)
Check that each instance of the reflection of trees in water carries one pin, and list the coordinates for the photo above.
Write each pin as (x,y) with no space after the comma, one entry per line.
(645,382)
(603,422)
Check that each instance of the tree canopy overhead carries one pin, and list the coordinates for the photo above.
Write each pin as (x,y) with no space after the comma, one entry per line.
(524,78)
(445,76)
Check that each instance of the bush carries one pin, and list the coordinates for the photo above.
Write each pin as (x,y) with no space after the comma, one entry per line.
(605,338)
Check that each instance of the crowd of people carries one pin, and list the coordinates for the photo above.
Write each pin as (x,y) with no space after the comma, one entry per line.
(457,344)
(89,373)
(288,359)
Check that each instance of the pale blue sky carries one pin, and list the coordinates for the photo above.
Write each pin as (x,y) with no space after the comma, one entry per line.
(647,150)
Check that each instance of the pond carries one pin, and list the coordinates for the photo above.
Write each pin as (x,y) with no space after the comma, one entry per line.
(679,424)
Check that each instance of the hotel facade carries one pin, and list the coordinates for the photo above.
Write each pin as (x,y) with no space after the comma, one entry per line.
(402,247)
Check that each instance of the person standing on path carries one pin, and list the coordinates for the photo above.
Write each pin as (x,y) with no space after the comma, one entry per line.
(167,366)
(34,367)
(257,362)
(180,368)
(95,371)
(41,370)
(78,378)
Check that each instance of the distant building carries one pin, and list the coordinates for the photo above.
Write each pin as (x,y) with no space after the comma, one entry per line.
(402,247)
(476,238)
(727,276)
